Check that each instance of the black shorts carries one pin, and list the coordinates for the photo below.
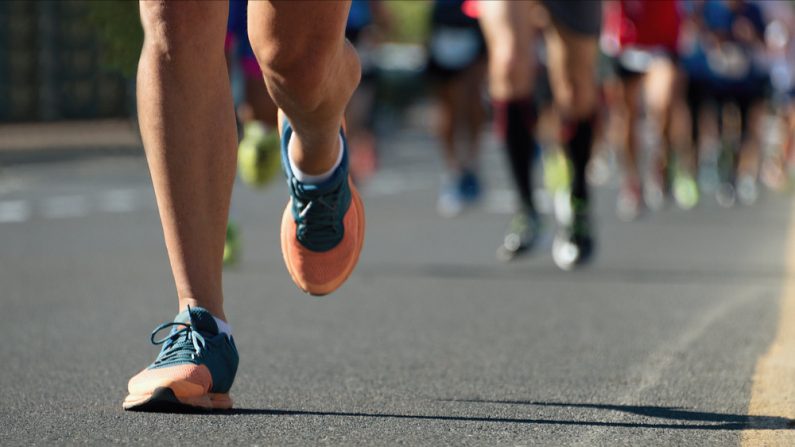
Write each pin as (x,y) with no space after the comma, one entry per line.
(579,16)
(635,61)
(454,49)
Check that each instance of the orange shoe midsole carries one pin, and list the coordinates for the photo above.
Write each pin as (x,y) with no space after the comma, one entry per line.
(216,401)
(325,289)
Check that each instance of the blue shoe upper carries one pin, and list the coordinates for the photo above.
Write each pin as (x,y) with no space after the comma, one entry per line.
(318,209)
(194,338)
(469,186)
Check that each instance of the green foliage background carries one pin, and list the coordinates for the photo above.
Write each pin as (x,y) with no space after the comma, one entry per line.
(411,19)
(118,27)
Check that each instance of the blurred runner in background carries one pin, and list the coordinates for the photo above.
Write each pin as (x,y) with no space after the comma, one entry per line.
(728,72)
(258,155)
(571,42)
(457,69)
(778,166)
(368,22)
(642,37)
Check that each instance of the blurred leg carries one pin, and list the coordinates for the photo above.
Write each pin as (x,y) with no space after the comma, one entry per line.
(446,94)
(660,93)
(572,69)
(508,30)
(262,107)
(571,58)
(359,130)
(188,129)
(472,86)
(750,147)
(631,103)
(789,145)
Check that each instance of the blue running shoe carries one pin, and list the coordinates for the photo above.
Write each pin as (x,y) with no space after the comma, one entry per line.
(193,371)
(323,225)
(469,186)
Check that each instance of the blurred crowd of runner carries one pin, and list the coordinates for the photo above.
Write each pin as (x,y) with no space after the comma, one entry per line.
(694,100)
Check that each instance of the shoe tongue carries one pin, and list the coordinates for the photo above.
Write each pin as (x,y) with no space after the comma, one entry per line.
(199,318)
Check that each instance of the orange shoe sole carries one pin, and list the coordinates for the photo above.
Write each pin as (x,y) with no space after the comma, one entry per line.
(288,237)
(164,399)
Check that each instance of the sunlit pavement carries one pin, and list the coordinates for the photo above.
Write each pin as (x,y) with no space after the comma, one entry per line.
(432,341)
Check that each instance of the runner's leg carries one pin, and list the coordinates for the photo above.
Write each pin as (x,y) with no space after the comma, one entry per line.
(572,67)
(310,70)
(508,30)
(188,129)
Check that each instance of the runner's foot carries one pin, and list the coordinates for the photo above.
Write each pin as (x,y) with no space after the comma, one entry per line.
(747,189)
(573,245)
(630,205)
(469,186)
(258,156)
(522,235)
(451,201)
(322,227)
(193,371)
(685,191)
(232,244)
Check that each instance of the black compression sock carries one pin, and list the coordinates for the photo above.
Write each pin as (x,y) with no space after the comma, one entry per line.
(514,121)
(578,139)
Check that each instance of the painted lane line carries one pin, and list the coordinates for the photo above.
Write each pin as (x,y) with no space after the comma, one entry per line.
(118,201)
(64,207)
(773,386)
(13,211)
(652,370)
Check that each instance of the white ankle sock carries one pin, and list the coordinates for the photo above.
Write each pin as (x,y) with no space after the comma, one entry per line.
(223,326)
(315,179)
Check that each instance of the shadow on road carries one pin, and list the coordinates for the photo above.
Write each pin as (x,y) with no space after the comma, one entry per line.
(602,274)
(684,418)
(724,421)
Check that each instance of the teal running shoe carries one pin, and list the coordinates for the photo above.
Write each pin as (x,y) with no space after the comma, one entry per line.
(574,243)
(193,371)
(522,235)
(323,226)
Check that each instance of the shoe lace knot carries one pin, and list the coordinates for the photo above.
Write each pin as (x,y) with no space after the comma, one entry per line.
(317,215)
(182,343)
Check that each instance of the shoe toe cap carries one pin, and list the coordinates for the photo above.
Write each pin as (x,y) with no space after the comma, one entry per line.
(183,380)
(320,273)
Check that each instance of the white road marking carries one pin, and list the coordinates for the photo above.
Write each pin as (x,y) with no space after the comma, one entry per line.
(63,207)
(9,185)
(14,211)
(113,201)
(118,201)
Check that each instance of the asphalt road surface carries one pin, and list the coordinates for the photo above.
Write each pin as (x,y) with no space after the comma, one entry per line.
(431,341)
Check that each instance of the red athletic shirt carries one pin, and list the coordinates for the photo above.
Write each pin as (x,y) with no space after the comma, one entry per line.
(643,23)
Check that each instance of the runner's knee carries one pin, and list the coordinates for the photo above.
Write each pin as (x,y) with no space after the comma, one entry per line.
(581,100)
(510,70)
